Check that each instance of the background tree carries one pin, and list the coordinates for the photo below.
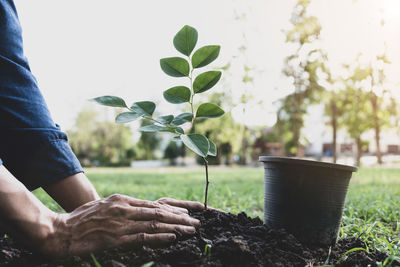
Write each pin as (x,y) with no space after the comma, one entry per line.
(356,108)
(97,142)
(379,107)
(382,107)
(395,118)
(333,98)
(172,152)
(334,110)
(226,132)
(148,144)
(302,67)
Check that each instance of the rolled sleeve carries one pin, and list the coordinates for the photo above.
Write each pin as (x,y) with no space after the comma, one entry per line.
(32,147)
(38,157)
(53,161)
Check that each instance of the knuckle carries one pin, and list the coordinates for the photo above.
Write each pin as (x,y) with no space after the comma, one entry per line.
(156,205)
(163,200)
(116,197)
(159,213)
(152,204)
(141,237)
(186,211)
(141,211)
(154,226)
(103,202)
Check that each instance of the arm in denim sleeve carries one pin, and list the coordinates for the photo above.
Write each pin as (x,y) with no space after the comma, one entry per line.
(32,146)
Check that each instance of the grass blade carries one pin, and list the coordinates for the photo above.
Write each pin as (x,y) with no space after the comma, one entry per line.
(348,252)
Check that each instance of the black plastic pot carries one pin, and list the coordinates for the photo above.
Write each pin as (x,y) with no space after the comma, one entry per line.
(305,197)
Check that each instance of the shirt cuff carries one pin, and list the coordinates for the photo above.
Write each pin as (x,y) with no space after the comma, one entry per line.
(38,157)
(53,162)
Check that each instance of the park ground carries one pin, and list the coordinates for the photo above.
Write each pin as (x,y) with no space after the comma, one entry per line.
(372,210)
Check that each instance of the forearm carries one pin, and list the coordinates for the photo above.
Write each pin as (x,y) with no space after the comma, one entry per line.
(72,192)
(21,213)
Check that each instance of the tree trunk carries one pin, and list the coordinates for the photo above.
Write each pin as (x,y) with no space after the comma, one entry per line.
(297,126)
(334,130)
(377,128)
(243,156)
(296,138)
(378,144)
(280,134)
(359,151)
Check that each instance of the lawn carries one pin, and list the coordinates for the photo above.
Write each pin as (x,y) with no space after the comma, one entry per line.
(372,209)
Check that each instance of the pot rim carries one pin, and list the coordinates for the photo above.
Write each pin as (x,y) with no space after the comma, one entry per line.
(308,163)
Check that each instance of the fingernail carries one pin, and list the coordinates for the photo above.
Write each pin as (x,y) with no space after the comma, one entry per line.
(196,222)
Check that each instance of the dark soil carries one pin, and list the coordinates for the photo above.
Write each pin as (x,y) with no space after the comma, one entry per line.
(235,240)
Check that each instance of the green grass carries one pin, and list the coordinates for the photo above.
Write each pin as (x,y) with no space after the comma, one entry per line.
(372,209)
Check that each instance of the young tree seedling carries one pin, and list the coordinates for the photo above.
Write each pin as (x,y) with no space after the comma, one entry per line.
(184,41)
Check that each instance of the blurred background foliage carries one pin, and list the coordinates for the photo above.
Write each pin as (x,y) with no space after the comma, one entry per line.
(355,104)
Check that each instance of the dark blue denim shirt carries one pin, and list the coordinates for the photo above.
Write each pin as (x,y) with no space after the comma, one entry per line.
(32,147)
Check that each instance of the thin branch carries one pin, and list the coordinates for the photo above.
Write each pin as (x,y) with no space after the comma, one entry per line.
(207,183)
(151,118)
(191,89)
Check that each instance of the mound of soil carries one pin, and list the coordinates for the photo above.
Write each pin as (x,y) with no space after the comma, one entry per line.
(231,240)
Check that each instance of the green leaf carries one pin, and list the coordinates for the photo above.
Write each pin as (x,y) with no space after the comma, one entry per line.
(205,55)
(166,119)
(213,149)
(126,117)
(152,128)
(177,94)
(161,128)
(111,101)
(182,118)
(148,264)
(175,66)
(96,263)
(185,40)
(209,110)
(205,81)
(197,143)
(144,108)
(169,129)
(350,251)
(179,130)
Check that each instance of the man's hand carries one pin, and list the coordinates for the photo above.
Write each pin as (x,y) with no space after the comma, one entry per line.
(114,221)
(120,220)
(186,205)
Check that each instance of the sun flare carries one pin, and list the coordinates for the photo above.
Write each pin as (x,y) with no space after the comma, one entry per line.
(392,9)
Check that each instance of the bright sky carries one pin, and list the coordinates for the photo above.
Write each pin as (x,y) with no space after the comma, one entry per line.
(83,49)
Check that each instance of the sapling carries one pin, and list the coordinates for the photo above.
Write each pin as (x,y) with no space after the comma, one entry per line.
(184,41)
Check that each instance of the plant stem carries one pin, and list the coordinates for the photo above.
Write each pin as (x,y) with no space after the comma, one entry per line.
(207,183)
(191,90)
(154,120)
(151,119)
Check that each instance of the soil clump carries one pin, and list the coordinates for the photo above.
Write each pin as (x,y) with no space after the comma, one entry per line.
(231,240)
